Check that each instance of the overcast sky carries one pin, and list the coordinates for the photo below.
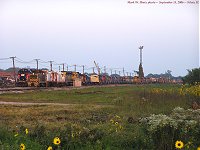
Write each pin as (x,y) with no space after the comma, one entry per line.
(107,31)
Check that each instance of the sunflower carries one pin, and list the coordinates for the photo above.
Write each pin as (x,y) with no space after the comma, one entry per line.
(22,146)
(26,131)
(56,141)
(179,144)
(50,148)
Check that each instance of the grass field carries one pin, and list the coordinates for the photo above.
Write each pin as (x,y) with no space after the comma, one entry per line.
(94,118)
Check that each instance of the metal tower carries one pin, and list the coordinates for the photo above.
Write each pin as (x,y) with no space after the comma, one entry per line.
(141,73)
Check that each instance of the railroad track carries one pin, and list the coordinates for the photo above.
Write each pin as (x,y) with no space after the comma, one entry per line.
(19,89)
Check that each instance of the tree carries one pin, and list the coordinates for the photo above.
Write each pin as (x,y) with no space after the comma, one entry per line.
(192,77)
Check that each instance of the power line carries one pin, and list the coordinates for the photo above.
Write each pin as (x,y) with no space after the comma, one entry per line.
(4,58)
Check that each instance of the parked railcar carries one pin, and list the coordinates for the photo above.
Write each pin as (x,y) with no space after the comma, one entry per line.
(51,78)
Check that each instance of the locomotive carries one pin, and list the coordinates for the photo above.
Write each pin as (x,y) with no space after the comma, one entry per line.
(45,78)
(23,77)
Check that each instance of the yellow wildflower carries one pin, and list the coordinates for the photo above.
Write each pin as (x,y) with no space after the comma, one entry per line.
(120,127)
(50,148)
(117,116)
(198,148)
(179,144)
(111,120)
(26,131)
(56,141)
(116,123)
(22,146)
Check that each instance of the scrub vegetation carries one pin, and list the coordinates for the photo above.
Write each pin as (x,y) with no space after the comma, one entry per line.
(117,117)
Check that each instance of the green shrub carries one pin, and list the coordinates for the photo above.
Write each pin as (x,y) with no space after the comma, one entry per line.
(165,130)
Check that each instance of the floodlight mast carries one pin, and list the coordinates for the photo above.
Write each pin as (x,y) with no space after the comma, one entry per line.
(141,48)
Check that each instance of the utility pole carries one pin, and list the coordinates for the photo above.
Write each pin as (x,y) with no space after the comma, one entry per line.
(104,69)
(83,69)
(51,65)
(59,68)
(75,68)
(13,60)
(63,66)
(123,71)
(37,62)
(67,67)
(127,73)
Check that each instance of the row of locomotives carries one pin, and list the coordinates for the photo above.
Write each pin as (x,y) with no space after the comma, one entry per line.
(23,77)
(45,78)
(37,78)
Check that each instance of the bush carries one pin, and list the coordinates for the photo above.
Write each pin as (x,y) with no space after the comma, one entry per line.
(181,125)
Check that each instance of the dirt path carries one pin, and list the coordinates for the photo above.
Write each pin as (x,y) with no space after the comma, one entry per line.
(28,103)
(49,104)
